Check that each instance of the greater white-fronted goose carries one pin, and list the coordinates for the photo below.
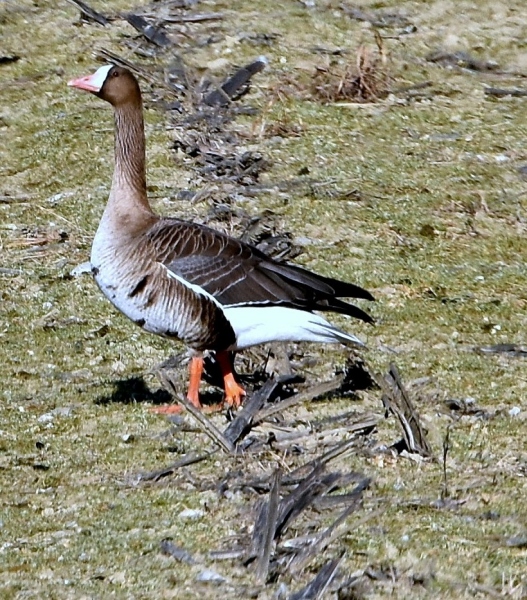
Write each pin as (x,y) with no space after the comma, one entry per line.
(185,281)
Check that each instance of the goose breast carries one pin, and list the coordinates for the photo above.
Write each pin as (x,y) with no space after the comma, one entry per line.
(156,299)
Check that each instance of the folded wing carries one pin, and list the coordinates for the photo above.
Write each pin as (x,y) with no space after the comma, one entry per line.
(236,273)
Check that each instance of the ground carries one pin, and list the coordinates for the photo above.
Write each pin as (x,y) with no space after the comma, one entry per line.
(420,197)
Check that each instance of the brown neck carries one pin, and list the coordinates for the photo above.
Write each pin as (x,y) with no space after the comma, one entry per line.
(129,178)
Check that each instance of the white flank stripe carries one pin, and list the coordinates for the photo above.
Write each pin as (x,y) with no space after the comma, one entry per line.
(191,286)
(259,325)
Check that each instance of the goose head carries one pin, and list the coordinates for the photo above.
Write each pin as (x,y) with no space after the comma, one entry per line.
(114,84)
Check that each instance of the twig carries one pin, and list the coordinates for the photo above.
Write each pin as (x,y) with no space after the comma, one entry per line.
(88,12)
(318,390)
(323,539)
(500,92)
(264,551)
(180,554)
(509,349)
(461,60)
(412,88)
(242,423)
(151,33)
(396,399)
(333,501)
(7,199)
(194,18)
(320,583)
(223,95)
(185,461)
(207,426)
(338,450)
(446,448)
(10,272)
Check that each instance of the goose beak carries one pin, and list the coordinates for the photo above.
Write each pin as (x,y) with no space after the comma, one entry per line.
(92,83)
(86,83)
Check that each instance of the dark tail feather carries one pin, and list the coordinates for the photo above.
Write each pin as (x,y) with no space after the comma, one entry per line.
(343,289)
(339,306)
(325,285)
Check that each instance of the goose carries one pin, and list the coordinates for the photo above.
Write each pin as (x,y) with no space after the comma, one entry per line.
(185,281)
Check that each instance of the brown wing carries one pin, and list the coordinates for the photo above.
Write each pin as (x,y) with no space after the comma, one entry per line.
(237,273)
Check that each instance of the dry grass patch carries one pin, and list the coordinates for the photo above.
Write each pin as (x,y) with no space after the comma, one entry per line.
(367,79)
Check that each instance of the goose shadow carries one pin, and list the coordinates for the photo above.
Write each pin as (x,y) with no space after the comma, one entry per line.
(133,390)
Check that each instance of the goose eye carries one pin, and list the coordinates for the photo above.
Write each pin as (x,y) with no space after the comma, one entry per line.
(115,74)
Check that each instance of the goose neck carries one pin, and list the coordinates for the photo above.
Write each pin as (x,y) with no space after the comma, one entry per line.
(129,172)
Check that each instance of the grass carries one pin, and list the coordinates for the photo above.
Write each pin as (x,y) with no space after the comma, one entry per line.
(436,231)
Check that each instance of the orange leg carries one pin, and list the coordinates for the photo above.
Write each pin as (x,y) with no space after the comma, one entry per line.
(196,370)
(233,391)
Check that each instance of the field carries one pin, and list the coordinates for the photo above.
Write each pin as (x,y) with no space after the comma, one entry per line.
(418,194)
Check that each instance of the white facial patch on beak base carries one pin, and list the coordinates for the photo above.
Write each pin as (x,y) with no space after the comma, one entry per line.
(92,83)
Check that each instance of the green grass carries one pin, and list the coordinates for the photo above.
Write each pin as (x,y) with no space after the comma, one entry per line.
(436,232)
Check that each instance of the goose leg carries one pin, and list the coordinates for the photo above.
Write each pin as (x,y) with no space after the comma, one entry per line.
(233,391)
(196,371)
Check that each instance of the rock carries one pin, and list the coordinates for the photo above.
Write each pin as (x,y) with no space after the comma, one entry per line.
(191,514)
(210,576)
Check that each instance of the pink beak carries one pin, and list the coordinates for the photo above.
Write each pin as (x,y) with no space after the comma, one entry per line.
(85,83)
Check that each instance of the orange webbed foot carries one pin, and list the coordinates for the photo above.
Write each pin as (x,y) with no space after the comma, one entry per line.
(177,409)
(167,409)
(233,390)
(234,393)
(195,370)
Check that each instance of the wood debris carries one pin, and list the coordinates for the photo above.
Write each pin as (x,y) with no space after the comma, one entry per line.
(205,424)
(375,18)
(461,60)
(396,400)
(322,540)
(184,461)
(277,546)
(153,34)
(236,85)
(502,93)
(271,551)
(243,421)
(180,554)
(515,350)
(88,13)
(316,588)
(265,529)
